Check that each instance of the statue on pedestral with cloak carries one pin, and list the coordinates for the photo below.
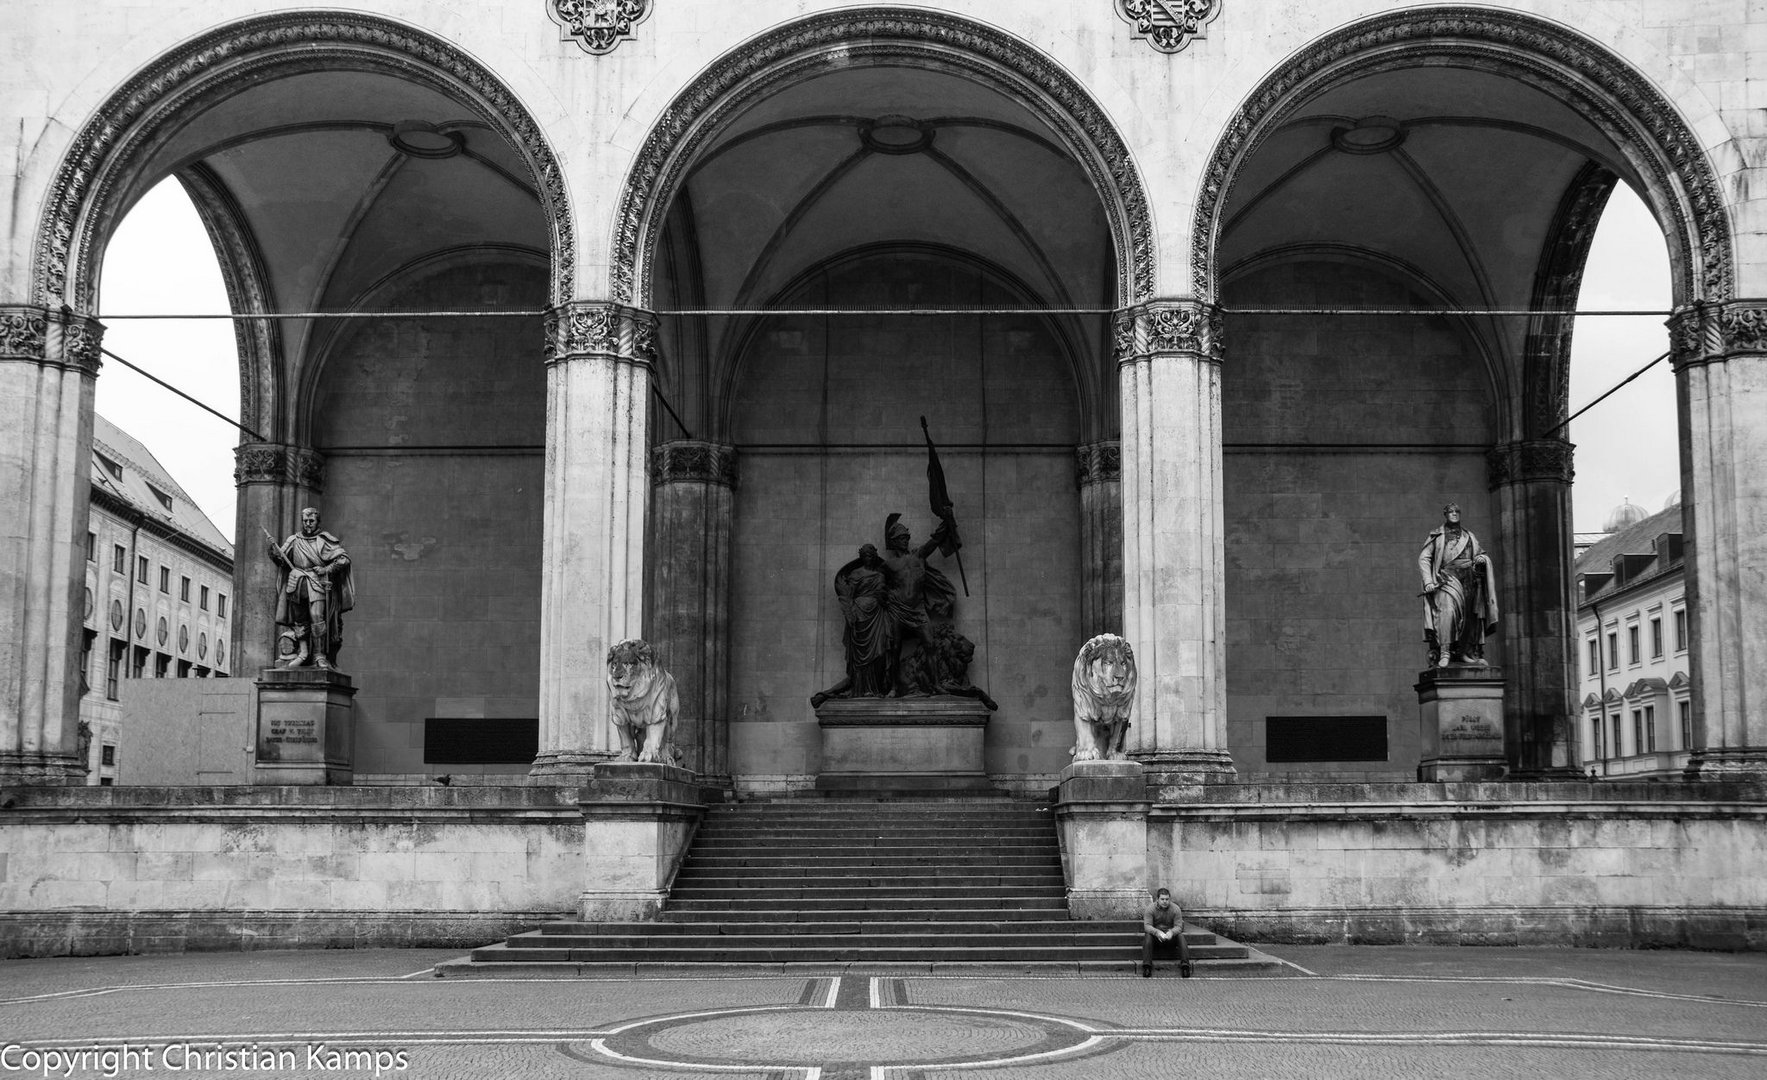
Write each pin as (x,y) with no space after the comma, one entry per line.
(1459,593)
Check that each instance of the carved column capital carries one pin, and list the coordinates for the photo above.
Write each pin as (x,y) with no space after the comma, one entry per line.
(1702,333)
(1530,460)
(686,461)
(600,328)
(278,463)
(1168,25)
(1099,462)
(1168,326)
(597,25)
(39,335)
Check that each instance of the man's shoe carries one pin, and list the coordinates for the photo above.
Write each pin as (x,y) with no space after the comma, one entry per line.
(1184,969)
(1147,971)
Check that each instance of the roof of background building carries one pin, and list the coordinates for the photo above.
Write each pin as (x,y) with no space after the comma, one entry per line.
(145,484)
(1639,538)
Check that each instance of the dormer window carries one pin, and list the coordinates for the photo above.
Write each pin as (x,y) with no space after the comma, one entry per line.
(165,500)
(109,466)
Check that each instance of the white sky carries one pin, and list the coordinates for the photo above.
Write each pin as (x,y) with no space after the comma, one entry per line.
(160,261)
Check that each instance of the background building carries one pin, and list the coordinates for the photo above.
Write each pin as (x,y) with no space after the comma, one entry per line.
(159,587)
(1636,686)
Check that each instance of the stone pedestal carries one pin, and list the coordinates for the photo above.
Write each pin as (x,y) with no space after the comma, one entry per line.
(638,821)
(306,729)
(1462,714)
(902,744)
(1101,811)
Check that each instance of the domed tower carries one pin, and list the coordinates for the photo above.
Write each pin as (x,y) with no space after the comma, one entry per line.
(1625,515)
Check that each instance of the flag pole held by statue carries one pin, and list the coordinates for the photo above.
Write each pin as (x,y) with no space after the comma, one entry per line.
(941,504)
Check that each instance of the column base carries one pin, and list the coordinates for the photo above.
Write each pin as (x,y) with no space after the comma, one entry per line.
(27,769)
(1174,774)
(1746,763)
(566,768)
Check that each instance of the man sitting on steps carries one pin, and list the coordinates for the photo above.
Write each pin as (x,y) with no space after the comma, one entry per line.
(1163,924)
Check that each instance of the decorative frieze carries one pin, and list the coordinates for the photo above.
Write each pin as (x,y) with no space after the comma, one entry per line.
(278,463)
(1701,333)
(691,461)
(1169,25)
(23,333)
(1098,463)
(1168,326)
(598,328)
(44,336)
(1530,460)
(597,25)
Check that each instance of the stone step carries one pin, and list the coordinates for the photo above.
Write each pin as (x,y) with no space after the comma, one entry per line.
(911,952)
(876,827)
(1125,945)
(894,844)
(468,968)
(880,902)
(879,861)
(775,912)
(978,893)
(822,877)
(1061,925)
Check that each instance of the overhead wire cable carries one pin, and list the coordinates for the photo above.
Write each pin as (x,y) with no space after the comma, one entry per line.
(151,377)
(825,312)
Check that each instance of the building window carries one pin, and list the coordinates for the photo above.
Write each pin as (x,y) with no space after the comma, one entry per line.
(1613,650)
(1594,657)
(165,500)
(141,569)
(1619,745)
(119,559)
(220,605)
(1596,742)
(184,669)
(113,668)
(139,663)
(105,781)
(184,589)
(87,638)
(165,579)
(1686,708)
(1681,630)
(161,665)
(1650,729)
(1638,731)
(92,547)
(1632,644)
(108,755)
(1656,637)
(204,601)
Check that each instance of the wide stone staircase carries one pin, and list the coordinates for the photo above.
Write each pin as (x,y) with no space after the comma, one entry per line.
(850,885)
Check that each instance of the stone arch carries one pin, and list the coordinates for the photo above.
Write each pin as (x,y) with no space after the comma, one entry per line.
(857,35)
(83,197)
(1683,188)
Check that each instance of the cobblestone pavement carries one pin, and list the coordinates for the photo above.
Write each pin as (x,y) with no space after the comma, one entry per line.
(1341,1012)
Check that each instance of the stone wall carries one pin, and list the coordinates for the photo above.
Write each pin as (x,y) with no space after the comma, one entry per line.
(1343,437)
(186,731)
(1624,865)
(433,432)
(122,870)
(825,415)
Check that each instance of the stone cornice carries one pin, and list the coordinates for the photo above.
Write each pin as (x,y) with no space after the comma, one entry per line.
(1164,327)
(1530,460)
(690,461)
(278,463)
(600,328)
(1098,463)
(39,335)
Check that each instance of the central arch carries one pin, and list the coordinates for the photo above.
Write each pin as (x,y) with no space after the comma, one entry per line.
(838,39)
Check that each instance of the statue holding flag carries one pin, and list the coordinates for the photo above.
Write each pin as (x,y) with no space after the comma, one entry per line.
(897,608)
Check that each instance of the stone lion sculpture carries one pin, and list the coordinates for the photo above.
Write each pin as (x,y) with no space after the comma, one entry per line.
(1104,695)
(645,703)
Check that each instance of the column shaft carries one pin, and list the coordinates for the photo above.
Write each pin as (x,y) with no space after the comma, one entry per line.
(48,369)
(690,594)
(592,571)
(1101,538)
(1721,391)
(1169,356)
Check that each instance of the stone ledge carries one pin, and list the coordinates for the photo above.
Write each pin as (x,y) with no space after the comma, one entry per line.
(1485,792)
(1584,926)
(119,933)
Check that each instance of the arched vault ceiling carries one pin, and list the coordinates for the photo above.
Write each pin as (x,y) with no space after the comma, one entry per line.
(330,205)
(1466,200)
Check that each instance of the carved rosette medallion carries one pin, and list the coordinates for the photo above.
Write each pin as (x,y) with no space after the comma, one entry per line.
(1098,463)
(1169,25)
(692,462)
(1168,326)
(598,328)
(597,25)
(1530,460)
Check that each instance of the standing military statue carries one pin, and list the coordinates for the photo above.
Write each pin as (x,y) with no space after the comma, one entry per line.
(1459,593)
(317,588)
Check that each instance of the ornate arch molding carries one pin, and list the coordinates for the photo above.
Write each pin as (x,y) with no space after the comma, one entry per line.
(840,39)
(137,118)
(1602,87)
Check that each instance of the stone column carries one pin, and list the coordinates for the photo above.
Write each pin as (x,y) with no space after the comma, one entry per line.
(1169,369)
(275,480)
(1101,538)
(48,369)
(690,594)
(1720,357)
(1532,481)
(598,372)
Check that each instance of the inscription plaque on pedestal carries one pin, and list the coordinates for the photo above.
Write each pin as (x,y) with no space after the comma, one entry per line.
(305,727)
(1461,708)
